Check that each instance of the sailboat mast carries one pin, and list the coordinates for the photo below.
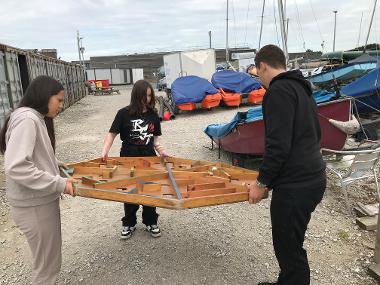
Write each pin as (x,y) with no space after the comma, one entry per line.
(262,20)
(283,31)
(227,58)
(370,25)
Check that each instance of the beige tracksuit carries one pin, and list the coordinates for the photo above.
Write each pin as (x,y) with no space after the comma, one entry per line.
(33,187)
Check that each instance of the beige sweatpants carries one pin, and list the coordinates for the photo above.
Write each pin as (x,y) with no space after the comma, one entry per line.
(41,226)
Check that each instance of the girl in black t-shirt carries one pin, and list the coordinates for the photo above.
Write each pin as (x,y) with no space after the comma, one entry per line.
(139,127)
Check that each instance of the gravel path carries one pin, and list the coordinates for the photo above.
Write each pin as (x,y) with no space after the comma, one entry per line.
(228,244)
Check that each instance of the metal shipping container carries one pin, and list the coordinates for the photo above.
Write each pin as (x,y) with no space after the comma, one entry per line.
(5,107)
(15,91)
(19,67)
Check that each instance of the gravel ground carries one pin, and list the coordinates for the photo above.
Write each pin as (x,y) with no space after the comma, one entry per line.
(228,244)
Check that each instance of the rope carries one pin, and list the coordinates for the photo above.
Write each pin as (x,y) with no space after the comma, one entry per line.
(316,21)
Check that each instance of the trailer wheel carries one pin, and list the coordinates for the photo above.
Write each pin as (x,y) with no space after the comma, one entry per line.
(367,132)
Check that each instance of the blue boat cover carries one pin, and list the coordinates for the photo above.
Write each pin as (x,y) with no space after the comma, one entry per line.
(218,131)
(233,81)
(191,89)
(364,87)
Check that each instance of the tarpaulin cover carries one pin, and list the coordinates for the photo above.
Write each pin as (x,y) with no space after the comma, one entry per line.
(191,89)
(233,81)
(253,114)
(364,87)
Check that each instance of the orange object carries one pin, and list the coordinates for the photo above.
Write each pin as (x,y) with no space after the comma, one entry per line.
(231,99)
(256,96)
(211,101)
(187,106)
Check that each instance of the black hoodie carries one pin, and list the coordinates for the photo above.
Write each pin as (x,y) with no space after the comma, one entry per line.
(292,157)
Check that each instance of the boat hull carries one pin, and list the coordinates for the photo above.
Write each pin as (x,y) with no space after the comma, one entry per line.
(249,138)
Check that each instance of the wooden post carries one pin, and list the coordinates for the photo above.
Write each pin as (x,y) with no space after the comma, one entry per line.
(374,269)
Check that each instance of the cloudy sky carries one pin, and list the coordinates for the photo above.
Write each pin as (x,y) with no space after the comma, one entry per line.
(111,27)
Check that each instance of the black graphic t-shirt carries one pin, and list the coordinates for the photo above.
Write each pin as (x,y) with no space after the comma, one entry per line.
(136,130)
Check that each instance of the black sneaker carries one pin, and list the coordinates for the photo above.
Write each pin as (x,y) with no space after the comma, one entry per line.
(127,232)
(154,231)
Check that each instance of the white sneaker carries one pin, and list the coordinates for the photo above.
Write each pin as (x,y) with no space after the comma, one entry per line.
(154,230)
(127,232)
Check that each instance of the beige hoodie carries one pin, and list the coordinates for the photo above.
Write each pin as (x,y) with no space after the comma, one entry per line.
(31,168)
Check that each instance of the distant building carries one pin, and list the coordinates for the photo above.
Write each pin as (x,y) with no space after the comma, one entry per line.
(151,62)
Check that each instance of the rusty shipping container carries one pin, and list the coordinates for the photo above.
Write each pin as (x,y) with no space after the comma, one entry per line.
(19,67)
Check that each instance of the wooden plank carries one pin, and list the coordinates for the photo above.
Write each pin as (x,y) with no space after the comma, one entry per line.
(89,181)
(183,182)
(367,223)
(130,181)
(148,187)
(211,192)
(82,170)
(374,271)
(119,196)
(214,200)
(203,186)
(142,172)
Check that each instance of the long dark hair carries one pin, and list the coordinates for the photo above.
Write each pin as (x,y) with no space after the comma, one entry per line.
(139,98)
(37,96)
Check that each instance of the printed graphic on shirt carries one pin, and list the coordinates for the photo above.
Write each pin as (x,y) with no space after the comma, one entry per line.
(142,131)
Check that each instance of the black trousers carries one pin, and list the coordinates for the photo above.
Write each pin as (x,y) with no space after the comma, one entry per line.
(290,214)
(149,214)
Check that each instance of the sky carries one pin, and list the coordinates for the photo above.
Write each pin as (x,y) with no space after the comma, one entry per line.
(114,27)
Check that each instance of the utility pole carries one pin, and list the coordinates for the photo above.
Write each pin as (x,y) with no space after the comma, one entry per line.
(78,42)
(209,36)
(370,25)
(335,12)
(262,20)
(227,58)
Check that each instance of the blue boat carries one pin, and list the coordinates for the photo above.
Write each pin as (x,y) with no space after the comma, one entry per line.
(342,74)
(366,92)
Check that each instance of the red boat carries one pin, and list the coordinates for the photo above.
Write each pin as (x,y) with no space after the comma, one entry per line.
(248,138)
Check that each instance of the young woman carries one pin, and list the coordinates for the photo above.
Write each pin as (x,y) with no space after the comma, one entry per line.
(33,183)
(139,127)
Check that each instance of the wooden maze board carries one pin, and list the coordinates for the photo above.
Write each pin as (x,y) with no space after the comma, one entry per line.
(173,183)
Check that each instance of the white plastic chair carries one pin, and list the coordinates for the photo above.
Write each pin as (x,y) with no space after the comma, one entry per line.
(352,166)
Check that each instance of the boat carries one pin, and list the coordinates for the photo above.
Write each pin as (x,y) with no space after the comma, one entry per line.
(365,90)
(237,88)
(341,75)
(172,183)
(192,92)
(245,133)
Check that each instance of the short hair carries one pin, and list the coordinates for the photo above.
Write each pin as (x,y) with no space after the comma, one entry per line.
(271,55)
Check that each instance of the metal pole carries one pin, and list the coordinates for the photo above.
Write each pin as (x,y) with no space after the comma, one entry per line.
(370,25)
(227,58)
(377,245)
(283,32)
(262,20)
(360,30)
(78,47)
(209,35)
(335,12)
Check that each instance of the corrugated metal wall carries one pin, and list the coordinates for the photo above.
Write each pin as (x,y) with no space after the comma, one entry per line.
(19,67)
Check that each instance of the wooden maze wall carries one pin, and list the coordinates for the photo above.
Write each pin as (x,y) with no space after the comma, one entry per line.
(174,183)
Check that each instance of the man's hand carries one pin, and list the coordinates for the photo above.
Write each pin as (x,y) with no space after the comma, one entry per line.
(256,193)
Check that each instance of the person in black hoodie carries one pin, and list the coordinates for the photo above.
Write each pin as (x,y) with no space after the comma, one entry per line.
(292,164)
